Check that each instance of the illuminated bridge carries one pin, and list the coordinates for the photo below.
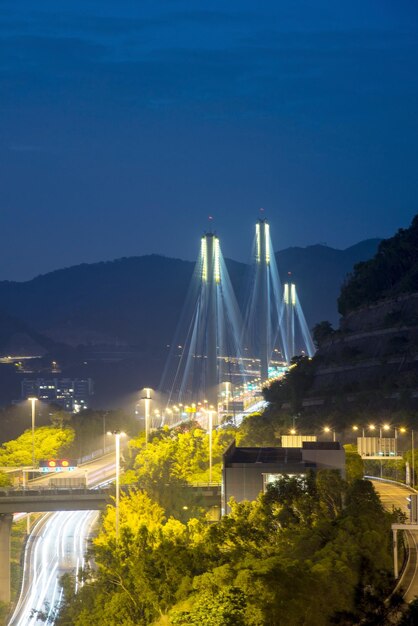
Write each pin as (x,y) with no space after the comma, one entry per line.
(217,352)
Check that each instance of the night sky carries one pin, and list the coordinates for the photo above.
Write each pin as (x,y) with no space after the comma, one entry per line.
(125,124)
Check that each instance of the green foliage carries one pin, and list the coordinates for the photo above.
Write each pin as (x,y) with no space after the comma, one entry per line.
(294,386)
(91,427)
(354,464)
(268,562)
(60,418)
(17,541)
(322,332)
(394,269)
(5,480)
(257,430)
(173,461)
(49,442)
(225,608)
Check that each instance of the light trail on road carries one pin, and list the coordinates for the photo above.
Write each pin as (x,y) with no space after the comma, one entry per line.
(57,545)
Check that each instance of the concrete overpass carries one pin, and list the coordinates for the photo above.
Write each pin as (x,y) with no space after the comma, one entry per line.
(37,501)
(46,500)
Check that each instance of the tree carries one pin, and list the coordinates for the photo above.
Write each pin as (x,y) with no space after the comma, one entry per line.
(354,464)
(294,386)
(49,442)
(321,332)
(227,607)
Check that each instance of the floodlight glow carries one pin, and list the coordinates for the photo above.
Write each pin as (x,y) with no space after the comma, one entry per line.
(217,268)
(293,293)
(286,293)
(267,241)
(257,243)
(204,256)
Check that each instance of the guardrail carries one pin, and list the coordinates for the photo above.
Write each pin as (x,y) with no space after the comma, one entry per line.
(407,557)
(393,482)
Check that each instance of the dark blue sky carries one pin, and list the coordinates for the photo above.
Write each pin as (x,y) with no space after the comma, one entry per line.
(123,125)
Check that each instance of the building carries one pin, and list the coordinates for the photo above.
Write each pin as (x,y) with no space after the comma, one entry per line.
(72,394)
(248,471)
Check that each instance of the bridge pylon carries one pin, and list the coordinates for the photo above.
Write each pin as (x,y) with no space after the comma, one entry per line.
(206,350)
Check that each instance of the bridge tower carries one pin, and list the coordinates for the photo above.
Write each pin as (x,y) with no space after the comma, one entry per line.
(289,301)
(298,339)
(206,350)
(211,279)
(263,328)
(262,235)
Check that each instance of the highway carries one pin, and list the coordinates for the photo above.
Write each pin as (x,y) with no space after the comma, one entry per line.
(395,495)
(57,545)
(392,494)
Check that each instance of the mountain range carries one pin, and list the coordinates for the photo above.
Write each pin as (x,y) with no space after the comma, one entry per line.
(130,307)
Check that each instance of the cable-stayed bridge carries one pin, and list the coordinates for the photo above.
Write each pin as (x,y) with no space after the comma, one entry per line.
(221,357)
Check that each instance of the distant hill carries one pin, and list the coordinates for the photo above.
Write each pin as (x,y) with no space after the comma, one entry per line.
(138,300)
(319,272)
(17,337)
(368,365)
(392,271)
(127,310)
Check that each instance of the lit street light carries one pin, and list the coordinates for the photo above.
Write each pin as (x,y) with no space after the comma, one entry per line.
(147,402)
(32,401)
(118,434)
(211,411)
(327,429)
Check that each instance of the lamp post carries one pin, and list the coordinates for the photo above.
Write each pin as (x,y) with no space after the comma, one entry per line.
(104,432)
(32,401)
(327,429)
(147,402)
(211,411)
(117,434)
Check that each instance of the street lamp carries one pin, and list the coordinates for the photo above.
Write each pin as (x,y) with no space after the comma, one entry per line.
(211,411)
(147,402)
(327,429)
(32,401)
(117,434)
(411,480)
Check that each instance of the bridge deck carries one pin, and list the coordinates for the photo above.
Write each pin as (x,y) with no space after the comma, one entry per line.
(43,500)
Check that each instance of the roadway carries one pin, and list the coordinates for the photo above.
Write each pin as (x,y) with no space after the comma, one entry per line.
(57,545)
(392,494)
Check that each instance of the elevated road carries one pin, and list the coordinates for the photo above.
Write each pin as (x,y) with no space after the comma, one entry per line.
(41,501)
(57,545)
(392,494)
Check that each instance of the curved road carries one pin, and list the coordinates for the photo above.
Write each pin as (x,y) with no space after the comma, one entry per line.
(396,495)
